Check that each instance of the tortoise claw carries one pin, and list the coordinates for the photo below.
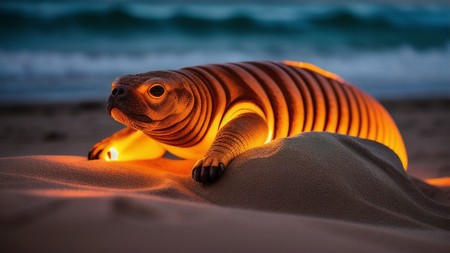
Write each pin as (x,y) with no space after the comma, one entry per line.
(208,174)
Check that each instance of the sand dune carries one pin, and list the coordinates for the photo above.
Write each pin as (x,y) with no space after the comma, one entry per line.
(328,175)
(314,192)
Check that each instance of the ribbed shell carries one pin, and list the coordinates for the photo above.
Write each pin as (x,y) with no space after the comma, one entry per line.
(294,97)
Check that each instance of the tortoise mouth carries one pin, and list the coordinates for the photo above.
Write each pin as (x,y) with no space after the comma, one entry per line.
(126,119)
(141,118)
(119,116)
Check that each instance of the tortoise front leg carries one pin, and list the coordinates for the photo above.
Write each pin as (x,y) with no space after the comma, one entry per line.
(126,144)
(242,133)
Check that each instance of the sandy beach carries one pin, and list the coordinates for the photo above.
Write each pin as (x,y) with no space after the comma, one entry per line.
(314,192)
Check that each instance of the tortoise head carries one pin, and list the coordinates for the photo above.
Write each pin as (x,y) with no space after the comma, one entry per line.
(150,101)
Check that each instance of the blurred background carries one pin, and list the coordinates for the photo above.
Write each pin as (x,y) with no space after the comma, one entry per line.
(53,51)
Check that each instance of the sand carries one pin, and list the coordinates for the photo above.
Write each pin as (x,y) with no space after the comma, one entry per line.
(314,192)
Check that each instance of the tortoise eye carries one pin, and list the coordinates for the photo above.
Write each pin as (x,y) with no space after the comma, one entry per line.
(157,90)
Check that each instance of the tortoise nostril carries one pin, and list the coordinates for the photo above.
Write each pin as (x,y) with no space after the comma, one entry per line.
(117,91)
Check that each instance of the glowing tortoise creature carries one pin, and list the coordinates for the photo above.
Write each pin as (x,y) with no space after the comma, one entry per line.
(213,113)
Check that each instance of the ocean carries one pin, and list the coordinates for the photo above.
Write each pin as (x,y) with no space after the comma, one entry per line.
(72,50)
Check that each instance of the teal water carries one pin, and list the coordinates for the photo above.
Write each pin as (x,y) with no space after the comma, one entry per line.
(73,50)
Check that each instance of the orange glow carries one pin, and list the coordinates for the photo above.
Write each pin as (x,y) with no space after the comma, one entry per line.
(440,182)
(112,154)
(309,66)
(162,165)
(136,146)
(247,107)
